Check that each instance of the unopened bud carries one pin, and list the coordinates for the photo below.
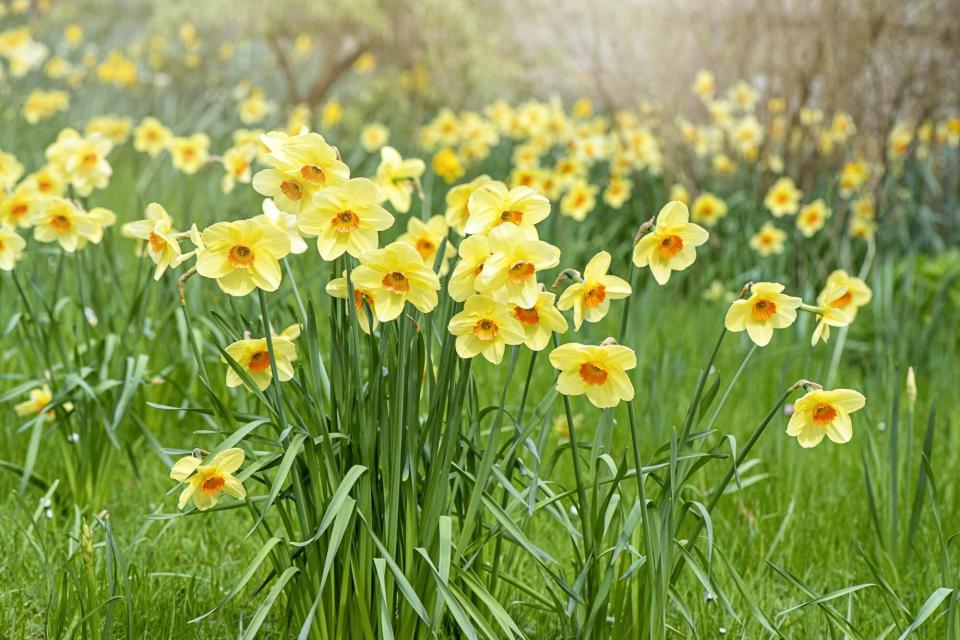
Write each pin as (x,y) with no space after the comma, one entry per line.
(86,545)
(608,342)
(911,388)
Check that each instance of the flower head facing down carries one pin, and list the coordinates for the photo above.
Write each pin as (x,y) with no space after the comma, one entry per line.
(766,309)
(597,371)
(205,482)
(243,255)
(485,327)
(396,274)
(590,299)
(671,246)
(822,413)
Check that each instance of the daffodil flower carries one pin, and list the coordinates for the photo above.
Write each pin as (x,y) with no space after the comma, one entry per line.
(485,327)
(599,372)
(822,413)
(205,482)
(397,274)
(671,245)
(590,299)
(766,309)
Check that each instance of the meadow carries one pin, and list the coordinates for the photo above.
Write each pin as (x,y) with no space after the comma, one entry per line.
(533,369)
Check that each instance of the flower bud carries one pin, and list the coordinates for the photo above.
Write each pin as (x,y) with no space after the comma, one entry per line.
(911,388)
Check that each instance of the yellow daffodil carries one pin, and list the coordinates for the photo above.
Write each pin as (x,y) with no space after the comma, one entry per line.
(45,181)
(580,199)
(331,114)
(590,299)
(41,104)
(102,218)
(205,482)
(243,255)
(446,164)
(782,198)
(704,84)
(540,321)
(338,289)
(822,413)
(836,310)
(11,247)
(617,192)
(37,402)
(373,136)
(254,356)
(427,238)
(285,222)
(236,162)
(189,154)
(59,220)
(812,217)
(766,309)
(708,209)
(473,253)
(300,166)
(485,326)
(769,240)
(397,177)
(597,371)
(493,204)
(510,273)
(345,219)
(671,245)
(113,128)
(679,193)
(397,274)
(19,207)
(857,294)
(158,232)
(10,170)
(81,161)
(853,175)
(254,108)
(457,198)
(151,137)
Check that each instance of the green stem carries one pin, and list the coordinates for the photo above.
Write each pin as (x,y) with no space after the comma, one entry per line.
(731,472)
